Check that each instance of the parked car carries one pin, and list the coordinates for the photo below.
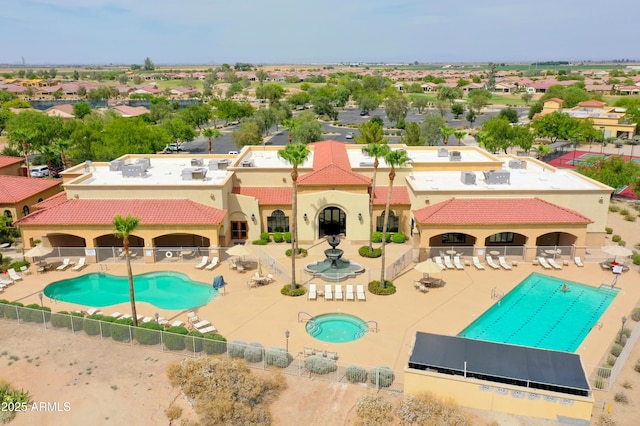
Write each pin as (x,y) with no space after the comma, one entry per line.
(55,172)
(364,112)
(174,147)
(40,171)
(349,135)
(233,152)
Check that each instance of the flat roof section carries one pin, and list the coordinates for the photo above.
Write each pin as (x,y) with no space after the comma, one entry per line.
(268,158)
(421,155)
(501,363)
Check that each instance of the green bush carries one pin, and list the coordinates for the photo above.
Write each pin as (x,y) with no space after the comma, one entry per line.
(398,238)
(259,242)
(600,383)
(253,352)
(214,344)
(611,360)
(2,303)
(635,314)
(31,313)
(356,374)
(626,332)
(608,230)
(91,324)
(301,252)
(624,212)
(616,350)
(376,237)
(236,348)
(636,259)
(120,329)
(106,325)
(364,252)
(11,310)
(61,319)
(265,236)
(193,341)
(622,340)
(630,218)
(277,237)
(287,237)
(319,365)
(383,376)
(174,338)
(299,291)
(613,208)
(278,357)
(616,238)
(374,287)
(148,333)
(19,264)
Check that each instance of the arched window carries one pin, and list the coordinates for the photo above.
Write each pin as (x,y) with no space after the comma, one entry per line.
(277,222)
(392,226)
(9,217)
(25,210)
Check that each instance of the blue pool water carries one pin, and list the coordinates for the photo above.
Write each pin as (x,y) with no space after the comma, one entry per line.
(165,290)
(537,313)
(336,328)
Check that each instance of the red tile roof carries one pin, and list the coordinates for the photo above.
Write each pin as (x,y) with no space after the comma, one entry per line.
(399,195)
(102,212)
(265,195)
(489,211)
(556,100)
(9,161)
(331,166)
(592,104)
(14,189)
(51,201)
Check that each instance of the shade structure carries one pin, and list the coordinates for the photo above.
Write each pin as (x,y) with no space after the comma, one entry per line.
(615,250)
(239,250)
(38,251)
(428,267)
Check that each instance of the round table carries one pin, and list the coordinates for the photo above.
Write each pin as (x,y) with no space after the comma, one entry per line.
(451,252)
(494,253)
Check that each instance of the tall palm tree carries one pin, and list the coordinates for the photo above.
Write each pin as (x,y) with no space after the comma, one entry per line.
(60,145)
(290,124)
(446,132)
(393,159)
(123,227)
(294,154)
(24,137)
(459,134)
(211,133)
(376,150)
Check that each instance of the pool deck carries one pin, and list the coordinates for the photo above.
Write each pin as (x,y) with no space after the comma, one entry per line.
(262,314)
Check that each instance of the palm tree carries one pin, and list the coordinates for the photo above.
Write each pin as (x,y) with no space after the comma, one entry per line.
(211,133)
(290,124)
(393,159)
(375,150)
(294,154)
(60,145)
(446,132)
(23,136)
(459,134)
(123,227)
(543,150)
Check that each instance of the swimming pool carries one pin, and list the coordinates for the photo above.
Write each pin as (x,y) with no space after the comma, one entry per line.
(165,290)
(336,328)
(539,314)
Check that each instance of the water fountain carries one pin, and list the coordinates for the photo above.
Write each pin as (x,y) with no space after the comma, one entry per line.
(334,267)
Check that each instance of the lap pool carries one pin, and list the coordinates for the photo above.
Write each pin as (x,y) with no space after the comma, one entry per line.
(164,290)
(540,314)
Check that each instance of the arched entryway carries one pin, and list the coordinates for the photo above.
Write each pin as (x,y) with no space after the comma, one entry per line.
(332,221)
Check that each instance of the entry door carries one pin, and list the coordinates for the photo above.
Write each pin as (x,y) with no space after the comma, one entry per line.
(332,221)
(239,230)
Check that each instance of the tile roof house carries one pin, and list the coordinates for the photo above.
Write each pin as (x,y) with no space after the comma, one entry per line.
(63,111)
(129,111)
(18,194)
(10,165)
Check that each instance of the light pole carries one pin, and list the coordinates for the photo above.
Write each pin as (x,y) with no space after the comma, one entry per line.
(40,295)
(157,315)
(575,147)
(602,146)
(286,336)
(623,320)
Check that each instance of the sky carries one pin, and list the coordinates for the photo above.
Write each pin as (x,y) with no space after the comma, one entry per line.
(309,32)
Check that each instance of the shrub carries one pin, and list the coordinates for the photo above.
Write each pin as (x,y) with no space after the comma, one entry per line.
(616,238)
(398,238)
(319,365)
(622,340)
(265,236)
(622,243)
(287,237)
(374,287)
(106,325)
(148,333)
(635,314)
(236,348)
(173,338)
(376,237)
(193,341)
(277,237)
(299,291)
(214,344)
(613,208)
(11,310)
(277,356)
(356,374)
(120,329)
(253,352)
(33,313)
(611,360)
(608,230)
(2,303)
(19,264)
(91,324)
(383,376)
(375,409)
(630,218)
(623,212)
(77,321)
(616,350)
(301,252)
(259,242)
(364,252)
(61,319)
(636,259)
(621,397)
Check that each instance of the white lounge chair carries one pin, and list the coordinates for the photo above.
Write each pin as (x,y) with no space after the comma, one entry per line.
(438,261)
(553,263)
(177,323)
(203,262)
(192,317)
(503,263)
(313,293)
(209,329)
(447,262)
(491,263)
(457,263)
(213,264)
(339,295)
(543,262)
(94,311)
(116,315)
(201,324)
(349,293)
(360,293)
(477,264)
(147,319)
(578,261)
(13,274)
(328,293)
(81,264)
(25,270)
(66,262)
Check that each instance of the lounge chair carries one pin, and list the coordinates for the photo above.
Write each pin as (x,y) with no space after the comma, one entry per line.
(66,262)
(339,295)
(503,263)
(163,321)
(477,264)
(201,324)
(360,293)
(447,262)
(13,274)
(94,311)
(269,278)
(349,293)
(578,261)
(5,283)
(309,352)
(209,329)
(438,261)
(553,263)
(313,293)
(203,262)
(332,355)
(116,315)
(177,323)
(543,262)
(25,270)
(125,316)
(147,319)
(457,263)
(213,263)
(328,293)
(491,263)
(81,264)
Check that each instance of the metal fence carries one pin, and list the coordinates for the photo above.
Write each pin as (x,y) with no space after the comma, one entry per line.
(395,268)
(604,377)
(319,366)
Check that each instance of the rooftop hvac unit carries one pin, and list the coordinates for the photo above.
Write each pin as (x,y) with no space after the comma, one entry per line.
(115,165)
(248,163)
(497,177)
(443,152)
(194,173)
(223,164)
(133,170)
(146,162)
(455,156)
(197,162)
(366,164)
(213,164)
(468,178)
(517,164)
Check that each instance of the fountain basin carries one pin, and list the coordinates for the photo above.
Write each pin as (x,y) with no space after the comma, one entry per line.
(342,271)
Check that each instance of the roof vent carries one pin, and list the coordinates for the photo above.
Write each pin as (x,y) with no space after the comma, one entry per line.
(519,164)
(133,170)
(197,162)
(366,164)
(87,166)
(443,152)
(146,162)
(455,156)
(194,173)
(497,177)
(213,164)
(248,163)
(116,165)
(468,178)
